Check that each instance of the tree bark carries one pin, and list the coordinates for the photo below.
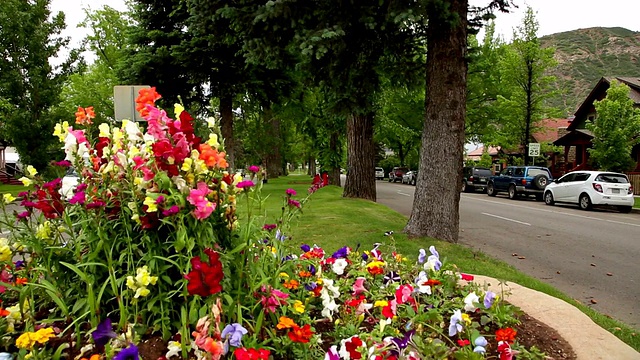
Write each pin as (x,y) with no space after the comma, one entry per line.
(273,158)
(361,181)
(435,210)
(334,173)
(226,128)
(312,166)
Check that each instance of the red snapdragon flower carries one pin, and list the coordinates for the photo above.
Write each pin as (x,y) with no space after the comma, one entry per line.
(251,354)
(204,279)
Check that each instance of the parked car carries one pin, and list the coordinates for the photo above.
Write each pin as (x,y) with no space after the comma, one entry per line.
(591,188)
(474,178)
(396,174)
(520,180)
(69,183)
(410,177)
(379,173)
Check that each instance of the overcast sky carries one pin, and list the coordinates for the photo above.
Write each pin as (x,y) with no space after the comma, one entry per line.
(553,15)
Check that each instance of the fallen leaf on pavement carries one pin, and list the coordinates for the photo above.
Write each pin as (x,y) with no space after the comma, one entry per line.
(514,254)
(609,274)
(592,264)
(594,301)
(557,272)
(521,257)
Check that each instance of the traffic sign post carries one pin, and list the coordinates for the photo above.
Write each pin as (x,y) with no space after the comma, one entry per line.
(534,149)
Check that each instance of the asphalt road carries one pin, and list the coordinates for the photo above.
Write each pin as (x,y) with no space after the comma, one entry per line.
(590,256)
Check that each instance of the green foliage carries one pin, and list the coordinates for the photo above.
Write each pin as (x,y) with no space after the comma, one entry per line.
(615,130)
(485,160)
(29,85)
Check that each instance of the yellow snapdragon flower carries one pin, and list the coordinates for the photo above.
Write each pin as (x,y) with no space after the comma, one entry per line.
(298,306)
(105,131)
(178,109)
(141,281)
(5,250)
(44,231)
(213,141)
(8,198)
(26,181)
(32,171)
(61,130)
(151,204)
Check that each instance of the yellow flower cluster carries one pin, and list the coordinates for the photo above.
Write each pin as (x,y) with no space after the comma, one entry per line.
(141,281)
(44,231)
(28,339)
(5,250)
(8,198)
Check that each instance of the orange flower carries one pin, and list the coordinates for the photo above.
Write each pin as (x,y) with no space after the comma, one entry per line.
(4,312)
(93,357)
(285,323)
(147,96)
(21,281)
(300,334)
(291,284)
(212,157)
(506,334)
(304,274)
(84,115)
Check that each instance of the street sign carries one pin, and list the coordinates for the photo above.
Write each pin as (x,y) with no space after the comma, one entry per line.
(534,149)
(124,101)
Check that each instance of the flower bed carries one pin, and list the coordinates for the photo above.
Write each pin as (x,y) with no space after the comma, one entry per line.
(148,255)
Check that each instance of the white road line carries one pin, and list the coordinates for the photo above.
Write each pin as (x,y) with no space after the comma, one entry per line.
(504,218)
(401,193)
(553,211)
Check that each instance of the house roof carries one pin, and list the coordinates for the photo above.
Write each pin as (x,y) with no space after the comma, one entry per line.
(548,129)
(600,88)
(478,152)
(570,137)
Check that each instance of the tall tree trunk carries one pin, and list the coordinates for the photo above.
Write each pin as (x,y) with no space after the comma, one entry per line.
(435,210)
(312,166)
(334,173)
(273,158)
(361,182)
(226,127)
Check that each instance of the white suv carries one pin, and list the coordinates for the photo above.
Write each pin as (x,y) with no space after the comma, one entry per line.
(379,173)
(589,188)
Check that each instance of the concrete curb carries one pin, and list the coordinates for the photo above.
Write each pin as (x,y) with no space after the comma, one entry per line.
(589,341)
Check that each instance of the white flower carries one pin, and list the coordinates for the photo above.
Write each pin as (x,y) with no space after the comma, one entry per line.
(174,348)
(420,281)
(339,265)
(328,299)
(470,301)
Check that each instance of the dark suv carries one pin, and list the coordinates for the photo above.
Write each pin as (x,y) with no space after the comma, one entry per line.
(520,180)
(396,173)
(474,178)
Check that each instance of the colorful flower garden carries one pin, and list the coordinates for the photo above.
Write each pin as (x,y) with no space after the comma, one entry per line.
(150,257)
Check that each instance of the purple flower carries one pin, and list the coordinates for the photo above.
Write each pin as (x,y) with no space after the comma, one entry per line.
(129,353)
(480,342)
(422,257)
(332,354)
(171,211)
(291,192)
(254,168)
(311,286)
(245,184)
(234,332)
(78,198)
(365,257)
(489,297)
(280,236)
(18,264)
(341,253)
(104,332)
(391,277)
(305,247)
(402,343)
(312,269)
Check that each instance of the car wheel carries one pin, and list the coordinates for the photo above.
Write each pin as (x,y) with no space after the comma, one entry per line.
(390,179)
(513,194)
(585,202)
(548,198)
(624,209)
(464,187)
(491,191)
(540,181)
(413,182)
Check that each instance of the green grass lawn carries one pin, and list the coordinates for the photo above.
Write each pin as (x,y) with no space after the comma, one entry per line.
(13,189)
(332,221)
(637,202)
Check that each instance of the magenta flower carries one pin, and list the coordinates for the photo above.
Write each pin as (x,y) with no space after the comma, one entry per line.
(254,169)
(63,163)
(294,203)
(358,286)
(78,198)
(245,184)
(269,227)
(23,215)
(159,200)
(273,300)
(96,204)
(291,192)
(171,211)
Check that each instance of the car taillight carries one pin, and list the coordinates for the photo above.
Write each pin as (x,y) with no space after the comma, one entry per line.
(524,181)
(597,187)
(630,189)
(470,178)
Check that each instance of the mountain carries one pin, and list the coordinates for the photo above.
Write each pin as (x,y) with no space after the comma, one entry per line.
(586,55)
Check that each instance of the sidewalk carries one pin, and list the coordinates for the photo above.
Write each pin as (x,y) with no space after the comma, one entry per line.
(589,341)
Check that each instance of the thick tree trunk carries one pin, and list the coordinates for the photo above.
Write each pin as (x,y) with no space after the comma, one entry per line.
(436,203)
(273,158)
(312,166)
(226,127)
(361,182)
(334,173)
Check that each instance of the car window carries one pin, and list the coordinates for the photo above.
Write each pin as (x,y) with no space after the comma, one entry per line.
(507,171)
(481,172)
(612,178)
(535,172)
(71,171)
(567,178)
(519,172)
(582,177)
